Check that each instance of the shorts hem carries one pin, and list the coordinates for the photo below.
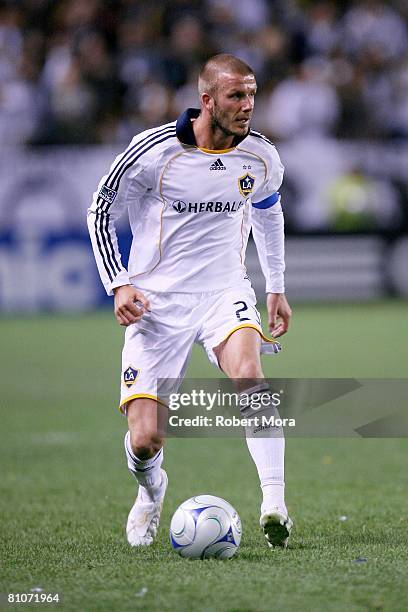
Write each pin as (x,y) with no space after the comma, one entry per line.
(242,326)
(211,355)
(140,396)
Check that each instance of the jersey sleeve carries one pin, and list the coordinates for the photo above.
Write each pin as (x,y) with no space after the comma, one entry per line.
(268,224)
(117,189)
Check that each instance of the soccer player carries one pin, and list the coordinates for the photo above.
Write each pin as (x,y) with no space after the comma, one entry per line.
(193,189)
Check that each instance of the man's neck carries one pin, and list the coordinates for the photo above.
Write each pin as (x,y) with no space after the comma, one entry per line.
(209,138)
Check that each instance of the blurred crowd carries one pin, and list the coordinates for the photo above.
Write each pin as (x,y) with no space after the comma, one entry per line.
(99,71)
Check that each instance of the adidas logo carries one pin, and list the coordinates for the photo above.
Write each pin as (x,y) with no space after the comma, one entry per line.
(217,165)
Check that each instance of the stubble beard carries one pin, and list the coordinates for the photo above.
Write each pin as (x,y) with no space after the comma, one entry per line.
(217,123)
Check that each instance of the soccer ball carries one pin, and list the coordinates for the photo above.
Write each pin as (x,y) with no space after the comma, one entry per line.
(205,527)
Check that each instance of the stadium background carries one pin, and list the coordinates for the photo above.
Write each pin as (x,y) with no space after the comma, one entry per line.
(77,80)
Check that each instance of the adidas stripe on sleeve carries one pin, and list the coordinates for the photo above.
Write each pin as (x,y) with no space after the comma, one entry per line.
(126,183)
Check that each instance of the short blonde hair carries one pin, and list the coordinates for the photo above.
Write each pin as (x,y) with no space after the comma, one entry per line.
(223,62)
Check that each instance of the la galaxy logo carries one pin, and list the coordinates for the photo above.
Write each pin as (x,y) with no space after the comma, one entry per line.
(246,184)
(129,376)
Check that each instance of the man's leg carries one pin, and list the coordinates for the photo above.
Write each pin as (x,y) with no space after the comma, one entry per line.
(144,454)
(239,358)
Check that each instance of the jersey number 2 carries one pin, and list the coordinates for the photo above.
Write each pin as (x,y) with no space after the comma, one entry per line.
(239,312)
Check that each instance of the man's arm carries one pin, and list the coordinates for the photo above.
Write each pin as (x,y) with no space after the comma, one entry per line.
(130,304)
(107,206)
(279,314)
(269,236)
(111,199)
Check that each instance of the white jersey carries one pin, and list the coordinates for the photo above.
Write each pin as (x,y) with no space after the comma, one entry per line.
(190,212)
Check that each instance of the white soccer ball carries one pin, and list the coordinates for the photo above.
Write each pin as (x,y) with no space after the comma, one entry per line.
(205,527)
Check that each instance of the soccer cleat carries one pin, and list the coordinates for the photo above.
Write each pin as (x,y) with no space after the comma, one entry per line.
(144,517)
(276,526)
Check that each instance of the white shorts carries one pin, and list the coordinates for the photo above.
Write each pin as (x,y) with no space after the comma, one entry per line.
(158,347)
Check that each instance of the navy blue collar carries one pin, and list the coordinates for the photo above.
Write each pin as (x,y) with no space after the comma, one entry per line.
(184,126)
(185,132)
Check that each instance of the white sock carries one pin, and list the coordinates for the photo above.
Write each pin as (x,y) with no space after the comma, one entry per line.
(147,473)
(267,449)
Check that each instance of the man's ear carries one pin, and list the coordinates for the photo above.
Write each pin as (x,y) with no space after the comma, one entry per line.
(207,101)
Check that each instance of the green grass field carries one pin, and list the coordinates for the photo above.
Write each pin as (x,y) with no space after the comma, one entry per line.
(65,491)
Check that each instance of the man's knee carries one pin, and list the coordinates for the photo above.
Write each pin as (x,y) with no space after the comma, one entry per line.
(145,444)
(146,426)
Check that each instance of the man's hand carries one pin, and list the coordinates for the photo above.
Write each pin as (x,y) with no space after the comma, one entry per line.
(130,305)
(279,314)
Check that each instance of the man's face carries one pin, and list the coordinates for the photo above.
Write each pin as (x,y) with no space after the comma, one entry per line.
(233,103)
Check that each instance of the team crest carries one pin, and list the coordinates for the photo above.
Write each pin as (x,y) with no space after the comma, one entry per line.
(129,376)
(246,184)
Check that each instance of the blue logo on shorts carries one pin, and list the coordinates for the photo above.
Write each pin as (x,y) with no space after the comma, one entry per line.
(129,376)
